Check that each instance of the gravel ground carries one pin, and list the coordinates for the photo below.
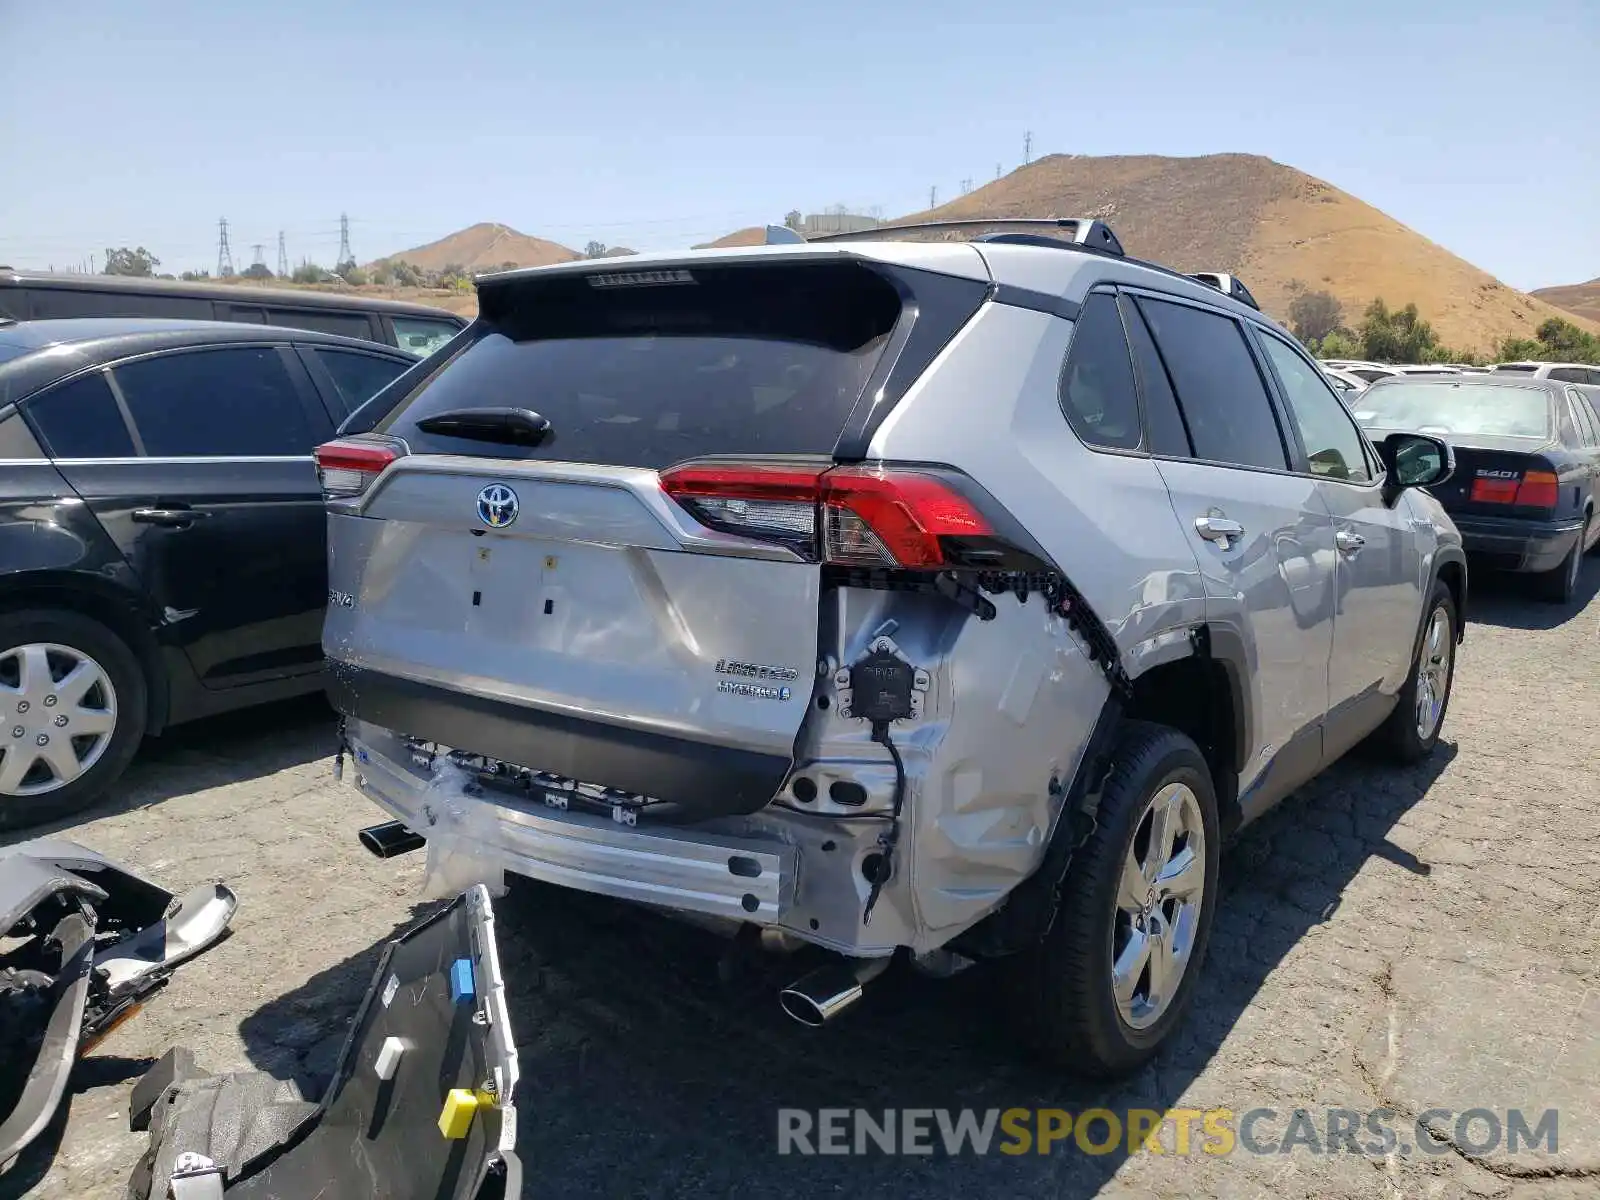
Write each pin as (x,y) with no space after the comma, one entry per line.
(1411,940)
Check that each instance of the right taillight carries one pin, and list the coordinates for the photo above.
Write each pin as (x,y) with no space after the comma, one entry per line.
(1536,489)
(348,466)
(852,516)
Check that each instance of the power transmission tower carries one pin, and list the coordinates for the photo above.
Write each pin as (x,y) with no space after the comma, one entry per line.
(258,255)
(997,170)
(1027,147)
(966,186)
(344,242)
(224,252)
(933,196)
(283,257)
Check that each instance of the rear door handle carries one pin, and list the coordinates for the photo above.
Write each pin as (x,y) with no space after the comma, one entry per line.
(167,518)
(1349,542)
(1218,529)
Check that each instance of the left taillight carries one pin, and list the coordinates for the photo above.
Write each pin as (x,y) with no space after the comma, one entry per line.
(860,515)
(348,466)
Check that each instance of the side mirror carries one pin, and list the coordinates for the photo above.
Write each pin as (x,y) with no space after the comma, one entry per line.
(1415,460)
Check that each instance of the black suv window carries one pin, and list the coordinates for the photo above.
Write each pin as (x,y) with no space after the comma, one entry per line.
(232,403)
(354,325)
(1224,401)
(80,419)
(357,376)
(1163,422)
(1332,441)
(1097,392)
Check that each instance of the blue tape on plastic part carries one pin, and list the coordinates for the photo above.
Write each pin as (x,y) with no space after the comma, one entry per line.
(461,985)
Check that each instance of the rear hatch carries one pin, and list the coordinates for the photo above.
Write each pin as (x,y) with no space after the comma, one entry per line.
(534,581)
(1499,433)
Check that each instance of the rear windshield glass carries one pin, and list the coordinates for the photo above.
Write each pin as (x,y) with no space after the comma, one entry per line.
(1483,409)
(648,368)
(1528,367)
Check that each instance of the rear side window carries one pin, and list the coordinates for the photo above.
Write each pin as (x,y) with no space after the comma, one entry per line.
(356,325)
(1097,392)
(1588,409)
(232,403)
(358,377)
(80,419)
(648,368)
(17,440)
(1569,374)
(1580,419)
(1223,398)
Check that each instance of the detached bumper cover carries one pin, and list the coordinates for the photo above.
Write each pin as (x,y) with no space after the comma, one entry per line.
(1516,543)
(422,1101)
(747,879)
(90,940)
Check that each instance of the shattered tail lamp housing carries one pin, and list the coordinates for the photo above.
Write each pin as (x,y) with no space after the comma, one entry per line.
(913,518)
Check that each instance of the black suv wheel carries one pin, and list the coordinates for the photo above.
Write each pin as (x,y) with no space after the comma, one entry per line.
(72,713)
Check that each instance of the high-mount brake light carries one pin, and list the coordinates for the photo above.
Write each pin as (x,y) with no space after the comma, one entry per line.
(348,466)
(866,516)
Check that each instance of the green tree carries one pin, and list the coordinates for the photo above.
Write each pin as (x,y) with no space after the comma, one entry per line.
(403,274)
(1314,315)
(1555,340)
(123,261)
(308,272)
(1339,343)
(194,276)
(353,275)
(595,250)
(1399,336)
(258,271)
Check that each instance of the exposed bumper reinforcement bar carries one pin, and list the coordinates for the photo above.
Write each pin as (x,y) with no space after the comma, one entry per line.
(744,879)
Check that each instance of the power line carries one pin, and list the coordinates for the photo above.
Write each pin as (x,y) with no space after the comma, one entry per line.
(224,253)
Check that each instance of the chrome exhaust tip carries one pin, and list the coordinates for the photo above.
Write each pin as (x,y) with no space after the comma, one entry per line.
(817,998)
(390,839)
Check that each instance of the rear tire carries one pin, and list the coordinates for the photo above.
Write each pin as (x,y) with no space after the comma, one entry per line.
(1066,985)
(114,708)
(1401,734)
(1561,585)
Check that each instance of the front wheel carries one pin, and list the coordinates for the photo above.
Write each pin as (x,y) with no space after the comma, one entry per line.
(1114,975)
(72,713)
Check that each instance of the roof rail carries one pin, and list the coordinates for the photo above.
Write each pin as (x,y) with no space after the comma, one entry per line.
(1228,285)
(1084,232)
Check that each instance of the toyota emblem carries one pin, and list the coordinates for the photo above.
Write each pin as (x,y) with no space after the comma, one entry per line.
(497,506)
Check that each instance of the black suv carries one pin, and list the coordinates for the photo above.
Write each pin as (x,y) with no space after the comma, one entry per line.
(161,533)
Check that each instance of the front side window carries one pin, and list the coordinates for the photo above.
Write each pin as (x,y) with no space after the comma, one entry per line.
(420,337)
(1224,402)
(1333,443)
(1097,392)
(237,402)
(80,419)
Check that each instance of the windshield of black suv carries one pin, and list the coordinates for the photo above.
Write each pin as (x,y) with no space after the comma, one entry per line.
(1482,409)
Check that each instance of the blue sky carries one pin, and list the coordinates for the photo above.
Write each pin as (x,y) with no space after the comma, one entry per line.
(656,126)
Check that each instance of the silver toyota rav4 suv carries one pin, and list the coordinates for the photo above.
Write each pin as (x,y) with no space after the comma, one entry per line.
(945,592)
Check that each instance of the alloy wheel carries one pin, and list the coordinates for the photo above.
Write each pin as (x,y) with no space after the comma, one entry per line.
(58,712)
(1433,673)
(1158,906)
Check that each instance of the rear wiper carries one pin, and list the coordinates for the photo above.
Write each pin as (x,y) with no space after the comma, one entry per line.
(511,426)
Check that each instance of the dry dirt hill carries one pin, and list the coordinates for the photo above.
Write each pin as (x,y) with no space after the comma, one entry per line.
(485,247)
(1271,225)
(1579,299)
